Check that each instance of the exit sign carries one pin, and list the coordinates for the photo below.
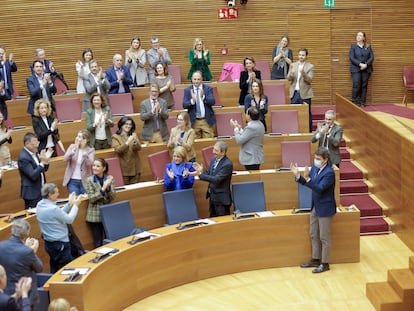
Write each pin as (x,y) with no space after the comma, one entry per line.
(329,4)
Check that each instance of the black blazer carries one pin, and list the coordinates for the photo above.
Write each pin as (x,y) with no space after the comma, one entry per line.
(10,67)
(220,181)
(43,132)
(36,93)
(359,55)
(244,86)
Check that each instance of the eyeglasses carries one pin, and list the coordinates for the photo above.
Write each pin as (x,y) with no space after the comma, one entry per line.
(128,124)
(180,119)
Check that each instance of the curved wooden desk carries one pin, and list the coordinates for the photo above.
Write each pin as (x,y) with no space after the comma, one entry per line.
(179,257)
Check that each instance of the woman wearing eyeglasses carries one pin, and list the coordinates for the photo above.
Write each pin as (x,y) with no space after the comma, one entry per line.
(127,147)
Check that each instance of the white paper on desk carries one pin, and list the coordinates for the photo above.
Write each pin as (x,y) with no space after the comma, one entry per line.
(146,234)
(295,134)
(31,210)
(104,250)
(265,214)
(82,271)
(205,220)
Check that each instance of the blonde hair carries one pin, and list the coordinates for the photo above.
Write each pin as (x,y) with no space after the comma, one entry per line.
(59,304)
(181,152)
(37,105)
(186,119)
(196,41)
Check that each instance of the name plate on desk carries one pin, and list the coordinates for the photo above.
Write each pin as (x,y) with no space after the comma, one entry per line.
(196,223)
(141,237)
(103,253)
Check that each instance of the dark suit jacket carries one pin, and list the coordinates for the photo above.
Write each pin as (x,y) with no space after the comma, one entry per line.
(219,181)
(112,78)
(323,190)
(10,67)
(36,93)
(334,141)
(8,303)
(244,86)
(209,101)
(19,260)
(43,132)
(30,176)
(359,55)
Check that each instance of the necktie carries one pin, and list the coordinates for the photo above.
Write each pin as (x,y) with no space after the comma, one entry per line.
(198,103)
(156,127)
(214,166)
(5,76)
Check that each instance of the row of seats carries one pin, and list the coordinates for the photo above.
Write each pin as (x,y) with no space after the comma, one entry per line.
(180,206)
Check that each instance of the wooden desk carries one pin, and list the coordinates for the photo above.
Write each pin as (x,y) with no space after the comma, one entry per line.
(180,257)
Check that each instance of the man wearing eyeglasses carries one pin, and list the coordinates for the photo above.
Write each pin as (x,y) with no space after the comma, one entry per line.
(329,135)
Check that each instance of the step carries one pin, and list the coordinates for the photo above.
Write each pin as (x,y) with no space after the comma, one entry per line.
(345,154)
(383,297)
(402,281)
(349,171)
(364,202)
(353,186)
(374,225)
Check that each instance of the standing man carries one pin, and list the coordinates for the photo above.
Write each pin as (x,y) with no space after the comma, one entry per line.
(198,100)
(218,175)
(329,135)
(250,139)
(156,54)
(7,66)
(19,259)
(300,76)
(40,85)
(95,82)
(32,168)
(53,222)
(154,113)
(321,179)
(9,302)
(119,76)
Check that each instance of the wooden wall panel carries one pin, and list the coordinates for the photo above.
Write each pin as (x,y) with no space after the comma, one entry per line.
(65,28)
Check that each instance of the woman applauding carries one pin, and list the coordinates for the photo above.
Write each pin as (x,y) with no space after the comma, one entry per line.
(176,176)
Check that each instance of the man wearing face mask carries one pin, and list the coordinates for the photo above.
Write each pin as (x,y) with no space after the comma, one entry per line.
(321,179)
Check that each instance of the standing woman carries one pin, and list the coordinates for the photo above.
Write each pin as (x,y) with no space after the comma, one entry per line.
(257,99)
(165,82)
(199,58)
(361,57)
(100,188)
(99,122)
(5,139)
(183,135)
(45,126)
(82,68)
(126,145)
(176,175)
(282,57)
(247,76)
(79,157)
(135,60)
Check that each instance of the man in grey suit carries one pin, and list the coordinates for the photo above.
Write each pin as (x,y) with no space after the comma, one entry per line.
(19,259)
(250,139)
(154,112)
(95,82)
(329,135)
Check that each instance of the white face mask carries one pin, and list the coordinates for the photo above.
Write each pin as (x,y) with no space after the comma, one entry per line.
(317,163)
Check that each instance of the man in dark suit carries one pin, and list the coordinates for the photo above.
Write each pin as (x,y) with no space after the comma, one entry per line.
(95,82)
(329,135)
(40,85)
(218,175)
(32,168)
(7,66)
(321,179)
(154,113)
(119,76)
(198,100)
(19,259)
(23,287)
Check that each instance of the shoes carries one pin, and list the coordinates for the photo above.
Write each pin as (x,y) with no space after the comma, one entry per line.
(362,105)
(321,268)
(311,263)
